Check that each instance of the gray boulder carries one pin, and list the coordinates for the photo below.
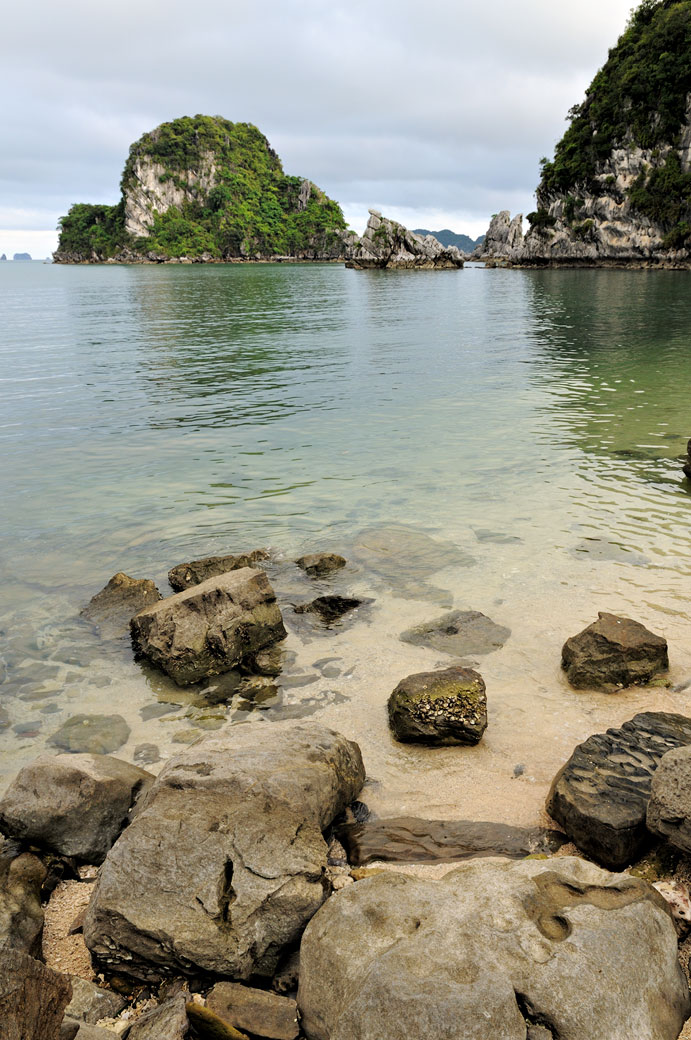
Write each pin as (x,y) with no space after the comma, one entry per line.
(211,627)
(32,998)
(185,575)
(496,946)
(317,565)
(669,808)
(90,1002)
(112,607)
(600,796)
(386,244)
(444,707)
(459,632)
(613,651)
(75,805)
(225,863)
(21,912)
(254,1011)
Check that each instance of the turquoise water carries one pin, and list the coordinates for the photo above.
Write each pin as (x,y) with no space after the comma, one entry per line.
(529,424)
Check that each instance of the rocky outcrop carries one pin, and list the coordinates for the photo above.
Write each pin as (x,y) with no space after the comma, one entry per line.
(439,708)
(504,237)
(669,808)
(209,628)
(386,244)
(613,651)
(74,805)
(561,949)
(225,863)
(600,796)
(32,998)
(185,575)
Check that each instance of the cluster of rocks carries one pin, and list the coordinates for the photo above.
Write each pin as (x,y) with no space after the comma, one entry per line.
(387,244)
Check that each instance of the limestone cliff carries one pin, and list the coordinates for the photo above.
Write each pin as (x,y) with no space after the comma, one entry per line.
(618,190)
(386,244)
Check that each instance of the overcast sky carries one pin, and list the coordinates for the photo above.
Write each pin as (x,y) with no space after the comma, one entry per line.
(436,113)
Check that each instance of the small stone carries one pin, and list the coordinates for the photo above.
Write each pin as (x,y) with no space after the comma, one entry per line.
(444,707)
(255,1011)
(317,565)
(147,754)
(329,608)
(168,1021)
(95,734)
(90,1002)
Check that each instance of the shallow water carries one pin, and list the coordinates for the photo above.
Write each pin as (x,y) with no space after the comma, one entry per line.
(501,441)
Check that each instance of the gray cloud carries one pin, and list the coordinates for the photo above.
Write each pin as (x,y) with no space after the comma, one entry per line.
(438,110)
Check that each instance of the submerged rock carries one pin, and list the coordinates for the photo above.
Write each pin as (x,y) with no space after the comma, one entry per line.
(75,805)
(498,946)
(317,565)
(444,707)
(254,1011)
(405,557)
(211,627)
(112,607)
(669,808)
(405,839)
(185,575)
(330,608)
(459,632)
(600,796)
(613,651)
(386,244)
(32,998)
(94,734)
(225,863)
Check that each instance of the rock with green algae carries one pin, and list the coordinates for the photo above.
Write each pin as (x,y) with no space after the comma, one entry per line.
(210,1026)
(444,707)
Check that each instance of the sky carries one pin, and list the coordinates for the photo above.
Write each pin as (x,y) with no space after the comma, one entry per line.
(436,114)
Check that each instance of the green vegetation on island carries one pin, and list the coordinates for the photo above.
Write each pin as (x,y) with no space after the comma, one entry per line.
(638,100)
(203,186)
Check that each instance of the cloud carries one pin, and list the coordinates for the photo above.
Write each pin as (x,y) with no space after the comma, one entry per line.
(444,108)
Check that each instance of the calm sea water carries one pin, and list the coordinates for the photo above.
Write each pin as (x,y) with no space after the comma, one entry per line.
(507,441)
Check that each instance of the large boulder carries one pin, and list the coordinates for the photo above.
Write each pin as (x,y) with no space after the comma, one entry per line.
(32,998)
(386,243)
(600,796)
(211,627)
(185,575)
(669,808)
(21,913)
(493,949)
(225,863)
(75,805)
(112,607)
(444,707)
(613,651)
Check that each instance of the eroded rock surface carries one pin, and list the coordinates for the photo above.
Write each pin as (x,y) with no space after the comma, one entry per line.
(211,627)
(185,575)
(21,912)
(600,796)
(32,998)
(498,946)
(669,808)
(444,707)
(90,1002)
(386,244)
(112,607)
(75,805)
(225,863)
(613,651)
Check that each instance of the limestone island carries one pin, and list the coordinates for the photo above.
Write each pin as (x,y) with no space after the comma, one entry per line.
(203,189)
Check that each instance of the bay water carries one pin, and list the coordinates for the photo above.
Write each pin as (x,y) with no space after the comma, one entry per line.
(496,440)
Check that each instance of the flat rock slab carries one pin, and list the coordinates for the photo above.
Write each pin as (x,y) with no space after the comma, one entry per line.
(405,839)
(95,734)
(318,565)
(613,651)
(75,805)
(440,708)
(21,912)
(493,949)
(225,862)
(669,808)
(255,1011)
(112,607)
(33,998)
(211,627)
(600,796)
(185,575)
(460,632)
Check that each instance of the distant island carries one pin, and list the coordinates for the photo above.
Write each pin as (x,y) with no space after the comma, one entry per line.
(450,238)
(22,256)
(618,190)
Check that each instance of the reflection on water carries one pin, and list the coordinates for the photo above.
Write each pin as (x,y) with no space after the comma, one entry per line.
(496,441)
